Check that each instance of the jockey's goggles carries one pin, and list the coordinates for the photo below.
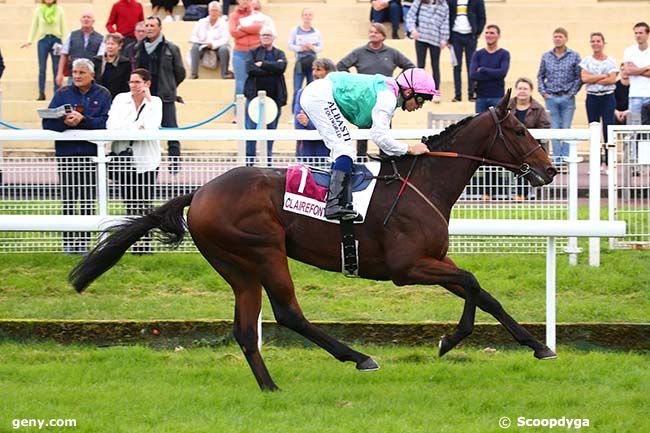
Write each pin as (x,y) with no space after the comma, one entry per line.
(421,97)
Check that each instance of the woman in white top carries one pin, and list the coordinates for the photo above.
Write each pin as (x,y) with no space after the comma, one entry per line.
(211,33)
(306,41)
(598,72)
(133,111)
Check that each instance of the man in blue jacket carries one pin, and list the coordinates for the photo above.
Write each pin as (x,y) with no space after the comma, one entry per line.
(489,68)
(88,109)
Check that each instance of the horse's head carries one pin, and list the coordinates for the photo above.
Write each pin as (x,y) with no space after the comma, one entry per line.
(514,147)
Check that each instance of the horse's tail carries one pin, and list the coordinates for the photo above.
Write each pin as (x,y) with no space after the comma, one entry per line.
(168,218)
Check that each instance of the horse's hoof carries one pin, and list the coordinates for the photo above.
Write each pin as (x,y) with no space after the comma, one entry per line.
(444,345)
(368,364)
(545,353)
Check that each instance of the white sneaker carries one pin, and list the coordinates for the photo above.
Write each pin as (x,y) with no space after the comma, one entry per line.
(168,19)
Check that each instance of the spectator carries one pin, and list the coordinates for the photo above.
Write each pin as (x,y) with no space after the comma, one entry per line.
(489,68)
(80,44)
(77,172)
(645,114)
(163,59)
(466,22)
(48,27)
(533,115)
(558,80)
(406,7)
(374,58)
(168,7)
(311,151)
(265,20)
(127,50)
(246,36)
(112,70)
(429,24)
(598,72)
(137,110)
(387,10)
(637,66)
(226,7)
(621,94)
(306,42)
(265,66)
(211,33)
(124,16)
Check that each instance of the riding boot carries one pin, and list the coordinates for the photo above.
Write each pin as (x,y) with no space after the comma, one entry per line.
(339,197)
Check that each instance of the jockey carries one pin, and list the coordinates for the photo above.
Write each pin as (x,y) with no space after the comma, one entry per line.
(367,101)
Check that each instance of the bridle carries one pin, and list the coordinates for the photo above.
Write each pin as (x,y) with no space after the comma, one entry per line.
(523,168)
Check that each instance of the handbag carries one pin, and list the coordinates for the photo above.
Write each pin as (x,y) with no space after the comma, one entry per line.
(209,59)
(121,167)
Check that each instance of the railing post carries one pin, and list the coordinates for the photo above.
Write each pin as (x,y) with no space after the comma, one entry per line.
(102,181)
(594,189)
(240,106)
(573,160)
(550,292)
(261,124)
(612,176)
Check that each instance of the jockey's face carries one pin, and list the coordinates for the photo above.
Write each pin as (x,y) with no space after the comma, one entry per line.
(412,105)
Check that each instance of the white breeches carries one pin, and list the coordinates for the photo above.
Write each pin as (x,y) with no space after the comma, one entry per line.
(317,100)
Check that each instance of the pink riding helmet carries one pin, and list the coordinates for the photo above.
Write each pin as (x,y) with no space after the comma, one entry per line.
(419,81)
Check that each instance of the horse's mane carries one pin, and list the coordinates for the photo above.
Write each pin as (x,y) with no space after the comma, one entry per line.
(443,141)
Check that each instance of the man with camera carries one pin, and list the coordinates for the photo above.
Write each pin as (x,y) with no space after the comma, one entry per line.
(87,105)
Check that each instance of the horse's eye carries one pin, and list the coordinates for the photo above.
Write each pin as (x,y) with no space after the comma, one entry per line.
(520,133)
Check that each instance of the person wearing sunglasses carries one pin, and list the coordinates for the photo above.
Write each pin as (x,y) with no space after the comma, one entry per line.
(265,66)
(366,101)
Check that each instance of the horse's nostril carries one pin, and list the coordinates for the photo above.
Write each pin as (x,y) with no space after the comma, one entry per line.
(551,171)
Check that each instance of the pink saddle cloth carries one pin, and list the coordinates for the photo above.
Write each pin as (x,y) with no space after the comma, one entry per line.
(300,181)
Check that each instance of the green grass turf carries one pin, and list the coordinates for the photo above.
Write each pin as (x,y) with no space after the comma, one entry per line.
(184,286)
(136,389)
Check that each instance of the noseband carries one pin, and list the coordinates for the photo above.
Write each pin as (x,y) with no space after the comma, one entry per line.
(523,168)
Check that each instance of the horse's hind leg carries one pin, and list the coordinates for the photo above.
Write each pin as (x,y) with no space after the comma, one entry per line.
(287,311)
(248,300)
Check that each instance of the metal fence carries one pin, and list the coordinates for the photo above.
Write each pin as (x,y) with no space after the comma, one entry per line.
(67,186)
(629,189)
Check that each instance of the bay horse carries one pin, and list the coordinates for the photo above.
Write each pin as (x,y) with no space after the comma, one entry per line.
(237,223)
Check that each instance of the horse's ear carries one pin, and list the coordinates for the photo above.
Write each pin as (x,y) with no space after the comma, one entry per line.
(502,106)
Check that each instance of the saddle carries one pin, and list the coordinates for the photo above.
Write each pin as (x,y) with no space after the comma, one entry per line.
(361,177)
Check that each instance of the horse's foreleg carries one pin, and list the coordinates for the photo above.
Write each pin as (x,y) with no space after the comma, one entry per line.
(288,313)
(247,309)
(489,304)
(431,271)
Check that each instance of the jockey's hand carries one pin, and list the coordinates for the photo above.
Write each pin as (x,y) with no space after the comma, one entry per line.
(417,149)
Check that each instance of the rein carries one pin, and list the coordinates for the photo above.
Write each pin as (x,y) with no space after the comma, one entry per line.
(523,167)
(476,158)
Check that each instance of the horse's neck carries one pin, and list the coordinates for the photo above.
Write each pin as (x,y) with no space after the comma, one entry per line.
(444,179)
